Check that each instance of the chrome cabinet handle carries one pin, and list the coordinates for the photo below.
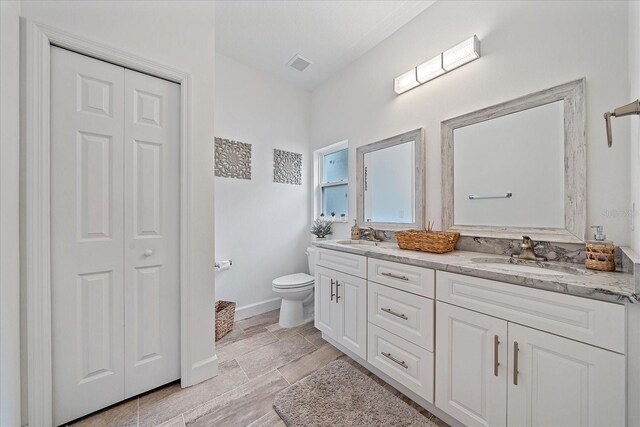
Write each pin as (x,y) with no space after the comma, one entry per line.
(515,362)
(148,252)
(393,359)
(496,363)
(337,296)
(332,294)
(395,276)
(388,310)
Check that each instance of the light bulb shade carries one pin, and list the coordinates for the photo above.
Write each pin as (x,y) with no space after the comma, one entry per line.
(460,54)
(430,69)
(405,81)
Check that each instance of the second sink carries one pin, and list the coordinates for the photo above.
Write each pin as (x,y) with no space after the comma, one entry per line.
(524,266)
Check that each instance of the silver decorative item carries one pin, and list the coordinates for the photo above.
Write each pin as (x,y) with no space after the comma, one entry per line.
(287,167)
(232,159)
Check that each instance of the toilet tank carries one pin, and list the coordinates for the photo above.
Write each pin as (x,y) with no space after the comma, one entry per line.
(311,257)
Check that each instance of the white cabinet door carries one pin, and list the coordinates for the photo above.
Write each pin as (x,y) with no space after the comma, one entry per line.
(325,309)
(351,300)
(556,381)
(151,235)
(86,234)
(471,366)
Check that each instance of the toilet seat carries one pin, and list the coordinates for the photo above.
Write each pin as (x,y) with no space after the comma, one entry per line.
(293,281)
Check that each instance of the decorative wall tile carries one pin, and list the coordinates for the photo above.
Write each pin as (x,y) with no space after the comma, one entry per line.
(233,159)
(287,167)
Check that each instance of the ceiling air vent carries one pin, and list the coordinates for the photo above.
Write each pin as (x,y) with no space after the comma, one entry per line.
(299,62)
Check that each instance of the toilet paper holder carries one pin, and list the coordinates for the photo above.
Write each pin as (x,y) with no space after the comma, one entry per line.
(219,265)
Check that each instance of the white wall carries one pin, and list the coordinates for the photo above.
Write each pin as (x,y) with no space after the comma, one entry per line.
(634,121)
(9,214)
(179,35)
(260,225)
(633,315)
(526,47)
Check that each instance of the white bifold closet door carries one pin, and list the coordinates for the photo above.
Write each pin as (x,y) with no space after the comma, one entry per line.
(115,184)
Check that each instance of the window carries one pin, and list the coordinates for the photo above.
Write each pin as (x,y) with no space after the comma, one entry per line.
(333,174)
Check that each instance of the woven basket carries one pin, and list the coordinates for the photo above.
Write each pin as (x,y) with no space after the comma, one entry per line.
(600,256)
(225,313)
(438,242)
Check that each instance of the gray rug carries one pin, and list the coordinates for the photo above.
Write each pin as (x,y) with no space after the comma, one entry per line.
(340,395)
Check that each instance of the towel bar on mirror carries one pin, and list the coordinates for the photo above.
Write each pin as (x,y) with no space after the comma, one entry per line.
(490,196)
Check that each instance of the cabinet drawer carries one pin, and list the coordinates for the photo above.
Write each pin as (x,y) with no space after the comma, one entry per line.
(410,365)
(582,319)
(355,265)
(408,278)
(406,315)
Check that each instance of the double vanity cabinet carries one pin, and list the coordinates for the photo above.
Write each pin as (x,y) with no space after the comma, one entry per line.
(486,353)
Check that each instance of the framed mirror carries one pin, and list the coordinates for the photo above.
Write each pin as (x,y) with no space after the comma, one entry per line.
(390,182)
(518,168)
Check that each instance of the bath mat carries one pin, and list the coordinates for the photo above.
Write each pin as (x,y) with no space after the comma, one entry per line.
(340,395)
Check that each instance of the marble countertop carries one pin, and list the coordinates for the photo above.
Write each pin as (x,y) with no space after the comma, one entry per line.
(607,286)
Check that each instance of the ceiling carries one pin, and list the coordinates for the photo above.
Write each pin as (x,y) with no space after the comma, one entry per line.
(331,34)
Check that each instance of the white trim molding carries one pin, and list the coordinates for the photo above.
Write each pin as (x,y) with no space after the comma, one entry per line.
(38,40)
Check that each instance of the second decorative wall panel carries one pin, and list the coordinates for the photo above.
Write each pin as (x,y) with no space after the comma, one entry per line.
(287,167)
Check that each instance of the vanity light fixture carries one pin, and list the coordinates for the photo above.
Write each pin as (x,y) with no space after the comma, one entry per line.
(458,55)
(462,53)
(430,69)
(405,81)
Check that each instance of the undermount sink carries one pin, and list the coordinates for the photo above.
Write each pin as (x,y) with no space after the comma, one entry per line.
(358,242)
(525,266)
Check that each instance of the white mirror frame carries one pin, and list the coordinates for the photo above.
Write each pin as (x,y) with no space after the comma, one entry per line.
(416,135)
(575,205)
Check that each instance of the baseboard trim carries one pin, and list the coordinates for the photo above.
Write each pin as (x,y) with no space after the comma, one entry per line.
(203,370)
(257,308)
(402,389)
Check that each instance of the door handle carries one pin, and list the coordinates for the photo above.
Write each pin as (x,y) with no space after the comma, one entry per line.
(148,252)
(337,296)
(393,359)
(332,294)
(388,310)
(395,276)
(515,362)
(496,363)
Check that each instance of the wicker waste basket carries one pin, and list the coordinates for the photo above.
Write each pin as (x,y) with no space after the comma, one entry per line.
(225,313)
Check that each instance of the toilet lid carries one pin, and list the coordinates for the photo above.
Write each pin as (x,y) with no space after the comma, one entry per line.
(293,281)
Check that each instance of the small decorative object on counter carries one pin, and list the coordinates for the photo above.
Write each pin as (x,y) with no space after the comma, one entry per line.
(225,314)
(355,230)
(427,240)
(321,228)
(600,253)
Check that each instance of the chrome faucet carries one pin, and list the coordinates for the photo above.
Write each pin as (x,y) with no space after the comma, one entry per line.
(370,235)
(527,251)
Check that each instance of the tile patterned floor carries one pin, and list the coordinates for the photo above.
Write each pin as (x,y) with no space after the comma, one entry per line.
(257,360)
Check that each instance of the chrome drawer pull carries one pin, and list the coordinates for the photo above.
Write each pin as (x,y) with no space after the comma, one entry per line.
(515,362)
(337,296)
(332,294)
(496,363)
(395,276)
(388,310)
(393,359)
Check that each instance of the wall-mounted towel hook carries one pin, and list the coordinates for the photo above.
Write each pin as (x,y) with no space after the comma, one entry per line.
(632,108)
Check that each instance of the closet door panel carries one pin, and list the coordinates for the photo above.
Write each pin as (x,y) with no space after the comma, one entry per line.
(87,109)
(152,224)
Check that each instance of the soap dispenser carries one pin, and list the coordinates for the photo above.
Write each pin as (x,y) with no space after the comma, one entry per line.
(355,230)
(600,252)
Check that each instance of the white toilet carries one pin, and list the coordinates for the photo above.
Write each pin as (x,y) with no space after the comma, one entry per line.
(295,290)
